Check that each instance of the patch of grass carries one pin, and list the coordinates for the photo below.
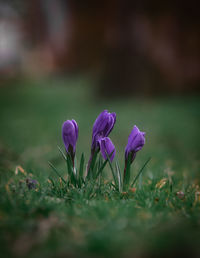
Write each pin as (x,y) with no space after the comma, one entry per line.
(158,217)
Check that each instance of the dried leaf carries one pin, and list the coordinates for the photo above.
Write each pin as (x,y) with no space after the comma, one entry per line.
(49,181)
(19,168)
(161,183)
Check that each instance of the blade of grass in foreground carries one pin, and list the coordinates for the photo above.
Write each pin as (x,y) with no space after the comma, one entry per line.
(56,171)
(80,172)
(112,170)
(101,168)
(127,173)
(139,173)
(119,176)
(63,154)
(81,167)
(68,160)
(91,165)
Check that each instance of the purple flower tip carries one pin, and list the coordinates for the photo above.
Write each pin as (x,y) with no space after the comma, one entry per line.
(31,183)
(70,135)
(107,148)
(102,127)
(136,141)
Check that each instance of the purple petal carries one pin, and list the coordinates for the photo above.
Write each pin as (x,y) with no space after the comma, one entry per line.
(111,123)
(98,121)
(136,141)
(70,134)
(76,127)
(107,148)
(102,127)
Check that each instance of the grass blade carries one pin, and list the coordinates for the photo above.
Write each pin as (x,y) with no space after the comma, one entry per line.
(101,168)
(63,154)
(112,170)
(80,172)
(119,176)
(127,172)
(81,167)
(92,164)
(139,173)
(71,171)
(56,171)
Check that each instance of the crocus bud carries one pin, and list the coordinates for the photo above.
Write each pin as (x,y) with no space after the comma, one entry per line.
(136,141)
(107,148)
(102,127)
(70,136)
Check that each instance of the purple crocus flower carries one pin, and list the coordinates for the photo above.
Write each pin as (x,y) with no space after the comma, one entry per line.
(107,148)
(136,141)
(70,136)
(102,127)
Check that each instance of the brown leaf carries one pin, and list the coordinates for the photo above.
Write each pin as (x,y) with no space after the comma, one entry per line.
(161,183)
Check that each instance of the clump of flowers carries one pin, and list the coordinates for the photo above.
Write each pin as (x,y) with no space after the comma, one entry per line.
(100,140)
(102,152)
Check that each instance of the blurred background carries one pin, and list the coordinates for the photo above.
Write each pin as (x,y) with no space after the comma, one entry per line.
(139,47)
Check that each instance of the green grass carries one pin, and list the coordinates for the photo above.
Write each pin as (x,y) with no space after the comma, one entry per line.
(54,220)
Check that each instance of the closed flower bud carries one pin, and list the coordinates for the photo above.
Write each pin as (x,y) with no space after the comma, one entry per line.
(70,136)
(136,141)
(102,127)
(107,148)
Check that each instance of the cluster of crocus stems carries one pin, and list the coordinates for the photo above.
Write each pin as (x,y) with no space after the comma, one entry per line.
(100,140)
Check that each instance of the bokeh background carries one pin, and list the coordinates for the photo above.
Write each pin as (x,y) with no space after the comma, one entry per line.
(145,47)
(64,59)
